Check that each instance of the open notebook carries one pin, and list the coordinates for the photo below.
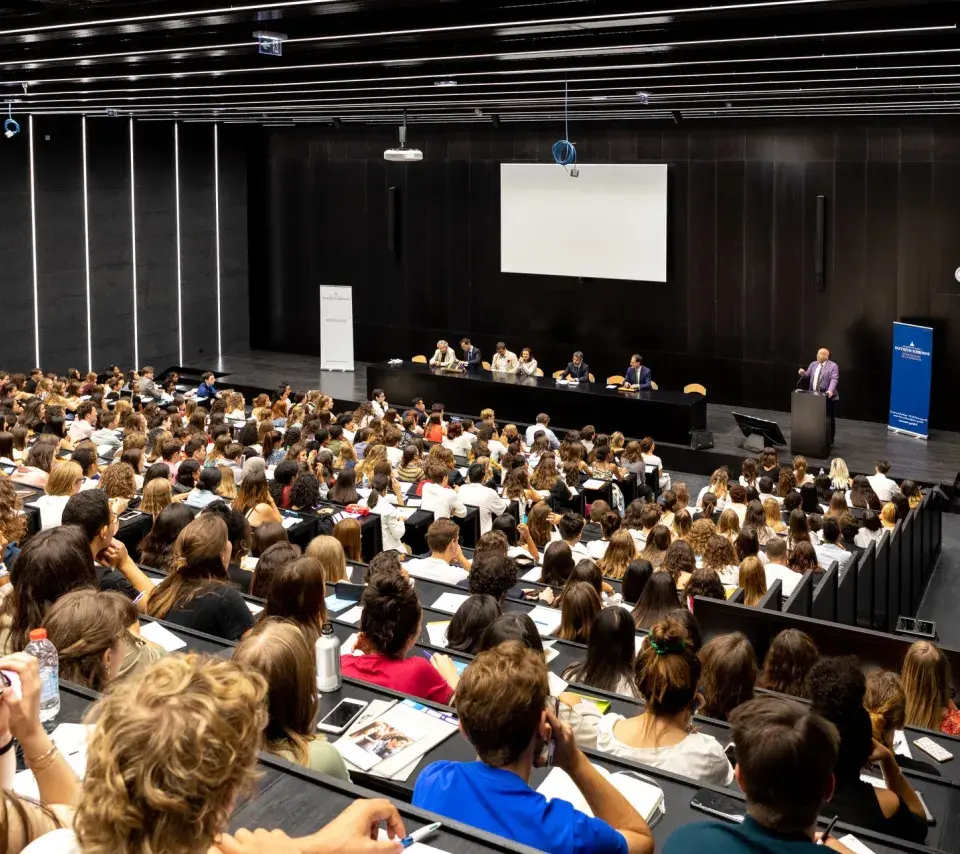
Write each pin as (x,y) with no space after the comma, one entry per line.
(644,794)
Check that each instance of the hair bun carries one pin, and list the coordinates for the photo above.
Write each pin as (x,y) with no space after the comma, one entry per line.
(668,637)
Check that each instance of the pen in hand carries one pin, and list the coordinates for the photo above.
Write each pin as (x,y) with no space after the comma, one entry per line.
(422,833)
(826,833)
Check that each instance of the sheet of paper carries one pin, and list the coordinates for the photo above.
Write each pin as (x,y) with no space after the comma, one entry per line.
(406,512)
(414,502)
(161,636)
(593,483)
(449,603)
(532,574)
(352,616)
(71,739)
(900,744)
(644,797)
(557,685)
(290,521)
(335,604)
(638,643)
(549,654)
(437,632)
(349,644)
(854,844)
(547,620)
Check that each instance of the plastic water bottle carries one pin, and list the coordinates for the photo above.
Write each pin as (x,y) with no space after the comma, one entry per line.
(46,655)
(328,660)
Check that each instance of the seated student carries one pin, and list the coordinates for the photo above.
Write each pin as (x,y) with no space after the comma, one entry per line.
(728,676)
(89,630)
(493,574)
(279,653)
(205,492)
(926,682)
(269,565)
(295,594)
(668,675)
(558,563)
(578,609)
(443,540)
(570,530)
(653,463)
(206,390)
(65,480)
(608,665)
(789,658)
(194,722)
(883,487)
(254,499)
(658,599)
(390,626)
(502,703)
(785,757)
(90,510)
(752,580)
(610,523)
(470,621)
(776,567)
(197,594)
(474,494)
(437,496)
(886,703)
(830,549)
(837,688)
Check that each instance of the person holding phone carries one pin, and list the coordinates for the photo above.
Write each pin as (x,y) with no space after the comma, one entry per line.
(784,765)
(507,715)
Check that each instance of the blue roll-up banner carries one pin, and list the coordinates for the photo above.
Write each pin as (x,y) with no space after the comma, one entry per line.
(910,381)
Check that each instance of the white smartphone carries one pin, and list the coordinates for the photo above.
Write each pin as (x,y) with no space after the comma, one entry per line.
(339,718)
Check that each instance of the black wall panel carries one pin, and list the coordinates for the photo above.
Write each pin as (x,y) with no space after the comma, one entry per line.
(16,263)
(156,244)
(61,262)
(198,242)
(111,242)
(740,311)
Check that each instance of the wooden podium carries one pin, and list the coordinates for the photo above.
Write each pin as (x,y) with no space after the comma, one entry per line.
(809,427)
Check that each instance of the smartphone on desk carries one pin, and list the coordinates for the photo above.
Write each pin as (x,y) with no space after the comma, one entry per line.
(341,716)
(719,805)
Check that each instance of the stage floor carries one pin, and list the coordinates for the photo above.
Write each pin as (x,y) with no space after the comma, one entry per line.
(860,443)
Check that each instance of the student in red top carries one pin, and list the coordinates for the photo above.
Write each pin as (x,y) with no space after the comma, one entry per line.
(389,627)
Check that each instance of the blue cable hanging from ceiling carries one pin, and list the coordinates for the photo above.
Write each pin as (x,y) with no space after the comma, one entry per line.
(564,151)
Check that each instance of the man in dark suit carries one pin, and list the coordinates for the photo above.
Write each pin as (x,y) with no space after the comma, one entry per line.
(637,376)
(577,369)
(824,377)
(471,355)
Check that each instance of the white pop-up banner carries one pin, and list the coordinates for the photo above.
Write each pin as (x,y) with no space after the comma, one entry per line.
(336,328)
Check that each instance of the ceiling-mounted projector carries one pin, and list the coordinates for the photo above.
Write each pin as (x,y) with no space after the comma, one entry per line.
(403,154)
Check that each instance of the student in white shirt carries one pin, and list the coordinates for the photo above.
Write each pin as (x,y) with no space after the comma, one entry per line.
(738,501)
(503,360)
(84,422)
(652,461)
(443,539)
(569,529)
(830,550)
(444,357)
(379,404)
(883,486)
(437,497)
(385,496)
(542,426)
(488,433)
(475,494)
(660,736)
(776,568)
(65,480)
(391,442)
(456,440)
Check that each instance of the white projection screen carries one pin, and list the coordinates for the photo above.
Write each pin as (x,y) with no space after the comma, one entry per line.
(610,223)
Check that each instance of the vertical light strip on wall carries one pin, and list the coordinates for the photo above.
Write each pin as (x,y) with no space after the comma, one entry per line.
(33,244)
(133,236)
(216,207)
(176,179)
(86,241)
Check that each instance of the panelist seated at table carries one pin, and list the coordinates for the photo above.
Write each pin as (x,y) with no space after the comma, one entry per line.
(527,365)
(503,360)
(577,369)
(637,376)
(471,355)
(444,357)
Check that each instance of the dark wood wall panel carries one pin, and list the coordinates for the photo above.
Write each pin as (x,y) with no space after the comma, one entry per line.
(741,309)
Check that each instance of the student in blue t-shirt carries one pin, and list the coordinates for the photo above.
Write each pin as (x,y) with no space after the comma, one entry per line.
(502,704)
(206,388)
(785,759)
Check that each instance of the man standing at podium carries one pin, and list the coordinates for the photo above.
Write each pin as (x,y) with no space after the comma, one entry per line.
(823,376)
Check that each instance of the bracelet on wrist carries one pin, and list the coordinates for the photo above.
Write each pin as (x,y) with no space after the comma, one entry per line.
(43,761)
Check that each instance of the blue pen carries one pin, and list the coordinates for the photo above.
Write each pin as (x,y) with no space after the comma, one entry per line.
(417,835)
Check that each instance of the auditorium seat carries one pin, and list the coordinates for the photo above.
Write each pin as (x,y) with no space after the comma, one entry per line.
(694,388)
(592,378)
(557,374)
(616,379)
(539,372)
(485,366)
(654,386)
(422,360)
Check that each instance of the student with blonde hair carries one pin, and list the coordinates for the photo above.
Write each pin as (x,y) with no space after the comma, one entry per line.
(65,480)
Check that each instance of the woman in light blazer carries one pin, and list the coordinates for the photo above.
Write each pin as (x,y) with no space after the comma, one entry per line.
(527,366)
